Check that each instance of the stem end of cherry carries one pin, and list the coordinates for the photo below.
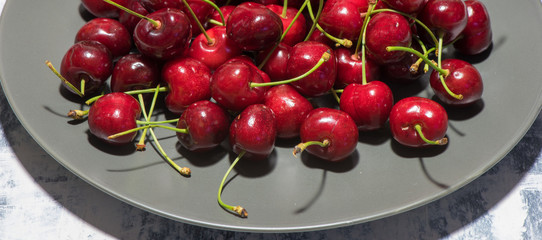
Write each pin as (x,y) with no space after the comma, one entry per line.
(242,212)
(185,171)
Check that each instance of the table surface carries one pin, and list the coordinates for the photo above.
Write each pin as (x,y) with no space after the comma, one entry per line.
(40,199)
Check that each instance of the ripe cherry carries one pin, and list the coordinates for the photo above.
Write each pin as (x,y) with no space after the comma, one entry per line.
(417,121)
(298,31)
(290,109)
(129,20)
(277,62)
(350,67)
(254,131)
(133,72)
(99,8)
(215,53)
(109,32)
(464,79)
(387,29)
(477,35)
(445,18)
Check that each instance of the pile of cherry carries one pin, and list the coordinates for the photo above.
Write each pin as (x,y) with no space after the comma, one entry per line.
(248,72)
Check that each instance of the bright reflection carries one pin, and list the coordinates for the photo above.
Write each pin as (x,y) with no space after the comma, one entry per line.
(413,109)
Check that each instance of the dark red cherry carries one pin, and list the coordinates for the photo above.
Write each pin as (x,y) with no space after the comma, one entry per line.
(88,61)
(406,70)
(254,131)
(189,81)
(114,113)
(201,9)
(290,109)
(298,31)
(109,32)
(215,53)
(276,65)
(368,104)
(463,79)
(406,6)
(477,35)
(304,56)
(133,72)
(444,17)
(207,126)
(387,29)
(226,11)
(129,20)
(171,39)
(428,115)
(254,27)
(155,5)
(334,127)
(350,68)
(99,8)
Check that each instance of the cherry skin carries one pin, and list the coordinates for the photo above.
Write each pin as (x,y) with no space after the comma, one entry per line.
(89,61)
(189,81)
(230,85)
(276,65)
(318,36)
(254,27)
(303,57)
(114,113)
(226,11)
(350,68)
(290,109)
(387,29)
(171,39)
(155,5)
(133,72)
(109,32)
(368,104)
(201,9)
(444,17)
(477,35)
(207,125)
(406,6)
(129,20)
(298,31)
(463,79)
(99,8)
(254,131)
(331,125)
(411,111)
(215,53)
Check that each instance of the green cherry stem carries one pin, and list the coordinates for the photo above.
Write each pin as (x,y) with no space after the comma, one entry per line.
(325,57)
(420,55)
(217,8)
(344,42)
(77,114)
(240,211)
(157,122)
(182,170)
(210,41)
(140,146)
(63,79)
(420,23)
(217,23)
(302,146)
(285,8)
(442,78)
(442,141)
(131,92)
(314,19)
(335,95)
(155,24)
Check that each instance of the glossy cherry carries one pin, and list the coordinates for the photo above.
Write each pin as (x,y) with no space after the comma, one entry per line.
(333,129)
(215,53)
(368,104)
(99,8)
(254,27)
(303,57)
(129,20)
(406,6)
(277,63)
(290,109)
(418,112)
(387,29)
(109,32)
(188,80)
(446,18)
(201,9)
(463,79)
(134,72)
(169,40)
(254,131)
(477,35)
(299,29)
(207,125)
(350,68)
(114,113)
(155,5)
(88,61)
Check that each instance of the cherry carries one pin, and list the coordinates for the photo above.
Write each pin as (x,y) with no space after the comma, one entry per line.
(477,35)
(114,113)
(133,72)
(230,85)
(406,6)
(277,62)
(215,15)
(254,27)
(329,134)
(387,29)
(129,20)
(299,28)
(155,5)
(408,69)
(189,81)
(109,32)
(368,104)
(170,39)
(464,79)
(290,109)
(215,53)
(86,66)
(417,121)
(99,8)
(342,18)
(445,18)
(201,10)
(206,125)
(254,131)
(318,36)
(303,57)
(350,67)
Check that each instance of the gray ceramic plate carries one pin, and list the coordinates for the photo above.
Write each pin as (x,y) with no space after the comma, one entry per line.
(285,193)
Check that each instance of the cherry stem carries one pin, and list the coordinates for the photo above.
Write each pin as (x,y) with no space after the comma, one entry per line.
(240,211)
(223,23)
(157,122)
(77,114)
(325,57)
(364,43)
(442,141)
(140,146)
(442,78)
(302,146)
(420,23)
(217,23)
(154,23)
(335,95)
(210,41)
(344,42)
(131,92)
(432,64)
(285,8)
(314,20)
(64,80)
